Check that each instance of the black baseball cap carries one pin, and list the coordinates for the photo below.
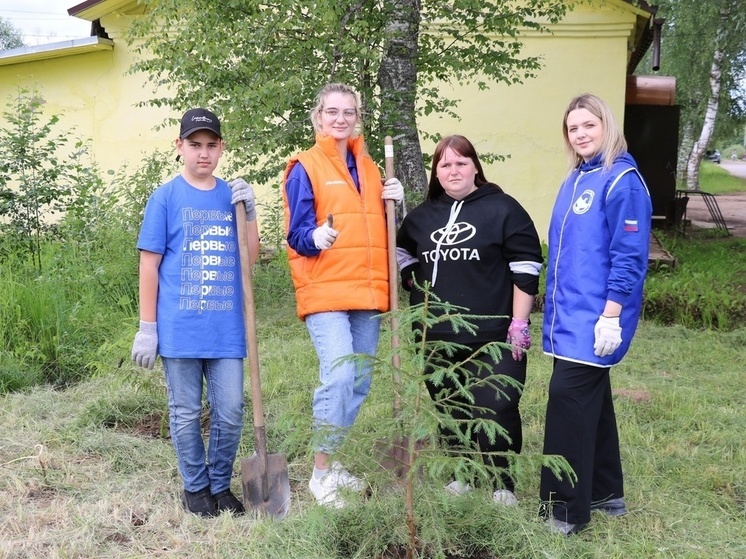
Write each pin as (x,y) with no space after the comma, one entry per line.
(199,119)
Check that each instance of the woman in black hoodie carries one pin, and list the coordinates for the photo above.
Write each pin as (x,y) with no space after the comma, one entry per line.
(477,248)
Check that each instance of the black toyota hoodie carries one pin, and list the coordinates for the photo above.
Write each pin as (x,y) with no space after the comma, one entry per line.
(472,252)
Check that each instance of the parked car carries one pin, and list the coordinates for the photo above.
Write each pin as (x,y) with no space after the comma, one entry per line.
(712,155)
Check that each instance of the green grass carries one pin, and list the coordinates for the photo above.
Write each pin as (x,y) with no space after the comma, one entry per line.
(716,180)
(86,469)
(83,472)
(708,286)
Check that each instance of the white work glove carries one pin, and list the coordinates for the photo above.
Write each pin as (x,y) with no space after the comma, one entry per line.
(145,346)
(608,336)
(242,192)
(324,236)
(393,190)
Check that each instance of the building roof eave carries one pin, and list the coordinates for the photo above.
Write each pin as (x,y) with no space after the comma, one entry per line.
(92,10)
(644,34)
(54,50)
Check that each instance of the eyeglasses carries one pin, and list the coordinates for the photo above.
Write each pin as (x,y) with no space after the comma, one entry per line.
(334,113)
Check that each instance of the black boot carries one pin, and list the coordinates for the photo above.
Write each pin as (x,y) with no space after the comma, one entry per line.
(201,503)
(227,501)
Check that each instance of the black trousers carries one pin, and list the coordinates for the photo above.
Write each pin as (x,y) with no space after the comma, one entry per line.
(581,426)
(488,404)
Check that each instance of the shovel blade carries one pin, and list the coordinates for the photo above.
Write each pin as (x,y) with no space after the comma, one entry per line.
(394,456)
(266,485)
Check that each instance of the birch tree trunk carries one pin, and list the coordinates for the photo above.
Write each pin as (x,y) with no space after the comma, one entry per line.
(397,79)
(698,149)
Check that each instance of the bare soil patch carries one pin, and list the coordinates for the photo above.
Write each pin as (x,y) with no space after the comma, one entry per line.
(732,207)
(637,396)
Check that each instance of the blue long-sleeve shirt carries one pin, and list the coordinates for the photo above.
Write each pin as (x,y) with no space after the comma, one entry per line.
(300,199)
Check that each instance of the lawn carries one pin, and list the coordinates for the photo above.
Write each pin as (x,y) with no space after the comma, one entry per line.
(85,471)
(716,180)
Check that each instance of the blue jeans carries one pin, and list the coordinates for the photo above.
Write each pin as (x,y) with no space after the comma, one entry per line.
(224,380)
(343,384)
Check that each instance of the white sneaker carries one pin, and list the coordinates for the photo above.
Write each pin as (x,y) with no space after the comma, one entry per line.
(457,488)
(504,497)
(326,489)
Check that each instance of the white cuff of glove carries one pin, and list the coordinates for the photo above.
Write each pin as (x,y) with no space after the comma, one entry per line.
(393,190)
(608,336)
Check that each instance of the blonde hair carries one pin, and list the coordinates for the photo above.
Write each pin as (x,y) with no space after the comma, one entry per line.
(613,143)
(321,98)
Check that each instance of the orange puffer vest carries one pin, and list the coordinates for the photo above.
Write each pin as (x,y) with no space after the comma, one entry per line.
(353,273)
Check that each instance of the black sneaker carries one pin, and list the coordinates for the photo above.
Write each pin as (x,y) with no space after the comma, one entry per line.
(611,507)
(227,501)
(201,503)
(564,528)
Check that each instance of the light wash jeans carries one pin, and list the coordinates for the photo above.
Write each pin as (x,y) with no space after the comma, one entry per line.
(344,384)
(224,381)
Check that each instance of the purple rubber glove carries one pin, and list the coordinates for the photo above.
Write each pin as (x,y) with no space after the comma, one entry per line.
(519,336)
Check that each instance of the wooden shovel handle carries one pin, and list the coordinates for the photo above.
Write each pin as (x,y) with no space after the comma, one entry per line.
(249,313)
(388,152)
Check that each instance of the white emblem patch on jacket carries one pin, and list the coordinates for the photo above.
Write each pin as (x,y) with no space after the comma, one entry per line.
(584,202)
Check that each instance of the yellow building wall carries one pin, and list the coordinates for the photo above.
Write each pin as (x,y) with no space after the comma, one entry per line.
(586,53)
(97,98)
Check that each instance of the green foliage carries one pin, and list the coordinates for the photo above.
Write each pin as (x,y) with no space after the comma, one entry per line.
(130,400)
(261,65)
(410,460)
(32,191)
(10,36)
(272,232)
(692,31)
(716,180)
(739,150)
(705,290)
(69,309)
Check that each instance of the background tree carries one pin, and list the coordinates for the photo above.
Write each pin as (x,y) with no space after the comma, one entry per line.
(10,36)
(260,65)
(32,187)
(704,47)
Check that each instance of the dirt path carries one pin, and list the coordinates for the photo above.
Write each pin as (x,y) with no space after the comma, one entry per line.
(732,206)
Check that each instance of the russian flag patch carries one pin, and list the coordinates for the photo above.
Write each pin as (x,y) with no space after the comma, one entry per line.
(630,225)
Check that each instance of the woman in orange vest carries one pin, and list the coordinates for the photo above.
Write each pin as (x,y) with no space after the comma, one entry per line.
(339,267)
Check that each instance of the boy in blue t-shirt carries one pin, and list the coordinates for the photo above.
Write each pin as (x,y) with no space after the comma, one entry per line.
(191,310)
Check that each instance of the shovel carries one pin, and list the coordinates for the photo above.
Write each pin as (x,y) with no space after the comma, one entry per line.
(388,151)
(264,477)
(397,456)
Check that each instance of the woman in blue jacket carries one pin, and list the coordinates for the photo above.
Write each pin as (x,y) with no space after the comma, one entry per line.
(598,257)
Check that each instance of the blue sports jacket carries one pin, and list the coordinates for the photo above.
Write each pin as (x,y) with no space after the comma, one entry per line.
(599,236)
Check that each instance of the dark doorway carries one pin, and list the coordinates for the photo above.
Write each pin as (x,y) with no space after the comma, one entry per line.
(652,133)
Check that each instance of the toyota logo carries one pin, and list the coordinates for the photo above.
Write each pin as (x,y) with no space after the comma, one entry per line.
(455,235)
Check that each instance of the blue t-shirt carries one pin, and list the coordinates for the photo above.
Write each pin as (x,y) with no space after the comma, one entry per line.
(199,310)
